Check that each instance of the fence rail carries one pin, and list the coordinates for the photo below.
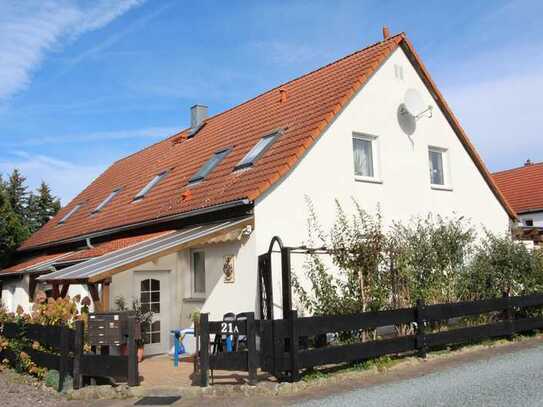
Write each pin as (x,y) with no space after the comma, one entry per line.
(66,355)
(283,347)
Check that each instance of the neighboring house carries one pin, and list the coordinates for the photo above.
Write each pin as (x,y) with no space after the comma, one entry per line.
(168,224)
(523,188)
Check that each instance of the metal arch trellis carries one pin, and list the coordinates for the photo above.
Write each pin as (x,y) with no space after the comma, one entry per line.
(265,279)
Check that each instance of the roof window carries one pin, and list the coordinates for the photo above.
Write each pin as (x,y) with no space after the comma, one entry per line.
(209,166)
(258,150)
(150,185)
(69,214)
(106,201)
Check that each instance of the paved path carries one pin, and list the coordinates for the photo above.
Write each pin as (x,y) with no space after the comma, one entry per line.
(512,379)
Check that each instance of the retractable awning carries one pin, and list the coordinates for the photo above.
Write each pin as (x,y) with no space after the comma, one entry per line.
(97,269)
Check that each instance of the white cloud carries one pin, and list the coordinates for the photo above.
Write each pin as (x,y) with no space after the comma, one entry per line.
(501,108)
(65,178)
(151,133)
(30,29)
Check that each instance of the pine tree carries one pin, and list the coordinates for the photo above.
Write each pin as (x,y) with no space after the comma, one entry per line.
(17,193)
(12,230)
(42,206)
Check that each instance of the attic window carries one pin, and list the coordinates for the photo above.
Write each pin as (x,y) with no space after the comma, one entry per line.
(258,150)
(106,201)
(150,185)
(69,214)
(209,166)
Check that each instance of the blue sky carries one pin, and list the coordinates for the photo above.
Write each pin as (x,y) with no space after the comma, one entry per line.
(84,83)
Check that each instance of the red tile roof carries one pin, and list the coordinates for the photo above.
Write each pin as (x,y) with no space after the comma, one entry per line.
(98,249)
(33,262)
(523,187)
(312,102)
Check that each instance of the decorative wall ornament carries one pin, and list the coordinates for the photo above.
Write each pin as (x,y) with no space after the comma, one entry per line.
(229,268)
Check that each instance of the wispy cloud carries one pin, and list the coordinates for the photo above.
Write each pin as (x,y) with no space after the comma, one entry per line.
(66,178)
(31,29)
(499,104)
(151,133)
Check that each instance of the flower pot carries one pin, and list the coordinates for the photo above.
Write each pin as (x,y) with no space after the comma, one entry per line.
(140,354)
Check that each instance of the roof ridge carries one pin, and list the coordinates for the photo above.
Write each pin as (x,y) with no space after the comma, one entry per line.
(519,168)
(392,38)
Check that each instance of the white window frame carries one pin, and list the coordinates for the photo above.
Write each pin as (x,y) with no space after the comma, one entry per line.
(445,159)
(193,293)
(374,140)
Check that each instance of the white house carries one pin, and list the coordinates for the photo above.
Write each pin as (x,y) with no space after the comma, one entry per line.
(523,188)
(180,224)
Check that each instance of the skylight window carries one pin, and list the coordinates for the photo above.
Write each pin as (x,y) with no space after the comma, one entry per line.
(209,166)
(69,214)
(150,185)
(106,201)
(258,150)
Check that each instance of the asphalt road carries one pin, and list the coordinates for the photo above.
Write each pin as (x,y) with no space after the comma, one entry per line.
(512,379)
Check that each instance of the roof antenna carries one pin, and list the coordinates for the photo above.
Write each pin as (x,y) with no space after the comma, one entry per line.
(386,33)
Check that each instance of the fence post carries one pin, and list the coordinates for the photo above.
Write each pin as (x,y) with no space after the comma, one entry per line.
(293,344)
(78,352)
(509,315)
(421,329)
(252,356)
(133,373)
(204,350)
(63,356)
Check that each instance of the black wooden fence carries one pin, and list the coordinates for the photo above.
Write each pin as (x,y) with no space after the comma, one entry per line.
(65,353)
(281,354)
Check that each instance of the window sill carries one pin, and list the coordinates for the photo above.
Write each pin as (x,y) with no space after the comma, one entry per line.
(370,180)
(441,187)
(194,299)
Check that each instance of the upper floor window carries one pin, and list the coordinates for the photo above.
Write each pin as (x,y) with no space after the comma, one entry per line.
(108,199)
(365,157)
(69,214)
(529,222)
(437,160)
(209,166)
(258,150)
(150,185)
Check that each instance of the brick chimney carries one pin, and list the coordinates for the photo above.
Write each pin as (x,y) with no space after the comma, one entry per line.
(386,33)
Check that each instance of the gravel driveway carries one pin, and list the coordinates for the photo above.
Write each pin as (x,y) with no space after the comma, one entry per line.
(512,379)
(20,391)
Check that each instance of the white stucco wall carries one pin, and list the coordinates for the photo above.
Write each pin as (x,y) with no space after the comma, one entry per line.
(15,293)
(536,217)
(221,297)
(326,172)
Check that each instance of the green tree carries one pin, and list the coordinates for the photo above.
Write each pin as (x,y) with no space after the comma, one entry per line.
(12,230)
(42,206)
(17,192)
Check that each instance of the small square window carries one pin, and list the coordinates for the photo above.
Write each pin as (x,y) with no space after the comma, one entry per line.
(437,166)
(365,157)
(529,222)
(198,273)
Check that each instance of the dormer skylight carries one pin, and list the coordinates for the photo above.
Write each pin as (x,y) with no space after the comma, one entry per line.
(209,166)
(106,201)
(69,214)
(258,150)
(150,185)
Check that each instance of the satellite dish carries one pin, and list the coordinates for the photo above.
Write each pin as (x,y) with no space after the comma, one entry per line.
(413,105)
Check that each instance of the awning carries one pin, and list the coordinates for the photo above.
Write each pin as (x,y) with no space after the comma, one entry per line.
(35,264)
(104,266)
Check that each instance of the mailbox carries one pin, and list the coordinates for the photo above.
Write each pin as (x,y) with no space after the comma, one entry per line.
(108,328)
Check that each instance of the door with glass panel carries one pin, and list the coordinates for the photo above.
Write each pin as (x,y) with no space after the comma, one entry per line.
(152,292)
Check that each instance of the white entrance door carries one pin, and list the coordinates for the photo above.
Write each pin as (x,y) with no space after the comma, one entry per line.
(152,291)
